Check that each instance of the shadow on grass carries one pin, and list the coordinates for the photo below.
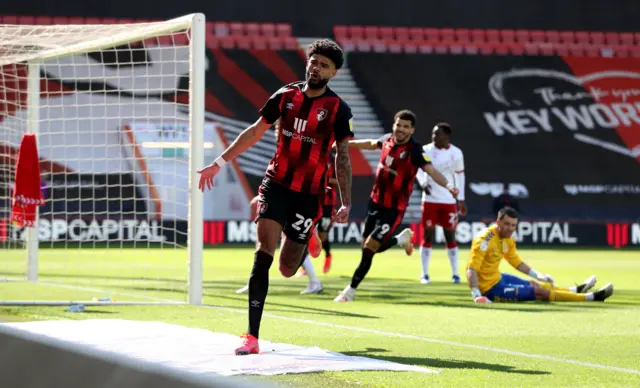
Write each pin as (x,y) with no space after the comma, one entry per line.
(438,363)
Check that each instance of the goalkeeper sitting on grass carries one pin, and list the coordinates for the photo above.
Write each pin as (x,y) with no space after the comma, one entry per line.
(489,285)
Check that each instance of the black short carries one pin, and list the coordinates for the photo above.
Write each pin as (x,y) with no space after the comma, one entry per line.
(296,212)
(381,222)
(325,223)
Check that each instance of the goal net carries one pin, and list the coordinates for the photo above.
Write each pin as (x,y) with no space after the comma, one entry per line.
(118,112)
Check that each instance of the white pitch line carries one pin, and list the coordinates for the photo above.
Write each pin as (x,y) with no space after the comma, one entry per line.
(387,333)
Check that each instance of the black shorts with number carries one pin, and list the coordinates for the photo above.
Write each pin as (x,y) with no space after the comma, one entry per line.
(296,212)
(325,223)
(381,222)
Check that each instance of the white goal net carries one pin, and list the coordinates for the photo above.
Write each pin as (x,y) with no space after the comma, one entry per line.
(118,112)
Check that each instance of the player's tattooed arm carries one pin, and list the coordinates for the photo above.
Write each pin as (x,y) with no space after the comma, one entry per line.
(343,172)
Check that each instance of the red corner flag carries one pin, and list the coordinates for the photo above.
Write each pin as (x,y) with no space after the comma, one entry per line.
(26,191)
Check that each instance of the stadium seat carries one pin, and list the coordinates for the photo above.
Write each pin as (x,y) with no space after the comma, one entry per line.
(621,50)
(347,44)
(339,32)
(221,29)
(386,33)
(447,35)
(453,47)
(260,42)
(478,36)
(612,38)
(538,36)
(363,45)
(76,20)
(516,48)
(634,51)
(283,29)
(502,48)
(462,35)
(487,48)
(290,43)
(417,34)
(371,32)
(243,42)
(213,41)
(356,32)
(532,48)
(44,20)
(252,29)
(275,42)
(636,36)
(582,37)
(523,36)
(226,42)
(401,33)
(592,50)
(427,46)
(493,36)
(596,37)
(627,38)
(507,36)
(552,36)
(561,49)
(394,46)
(27,20)
(432,34)
(567,37)
(236,28)
(546,49)
(471,48)
(410,47)
(576,49)
(379,46)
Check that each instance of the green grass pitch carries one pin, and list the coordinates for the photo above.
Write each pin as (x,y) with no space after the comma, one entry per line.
(393,318)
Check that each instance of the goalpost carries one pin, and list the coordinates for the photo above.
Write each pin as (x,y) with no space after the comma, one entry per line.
(118,112)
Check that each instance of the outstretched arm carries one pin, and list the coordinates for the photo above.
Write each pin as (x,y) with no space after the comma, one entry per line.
(362,144)
(343,175)
(439,178)
(527,270)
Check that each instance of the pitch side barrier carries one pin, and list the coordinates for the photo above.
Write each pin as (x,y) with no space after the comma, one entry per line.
(32,361)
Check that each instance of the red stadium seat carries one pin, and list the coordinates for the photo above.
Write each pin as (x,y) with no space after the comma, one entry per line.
(442,48)
(356,32)
(532,48)
(92,20)
(260,42)
(538,36)
(561,49)
(462,35)
(401,33)
(567,37)
(478,36)
(275,42)
(339,32)
(44,20)
(60,20)
(471,48)
(347,44)
(502,48)
(76,20)
(627,38)
(454,47)
(447,34)
(386,33)
(582,37)
(126,21)
(290,43)
(517,48)
(379,46)
(221,29)
(592,50)
(487,48)
(394,46)
(371,32)
(8,19)
(636,36)
(612,38)
(523,36)
(212,41)
(27,20)
(252,29)
(432,34)
(283,29)
(363,45)
(416,34)
(227,42)
(621,50)
(507,36)
(577,50)
(236,28)
(410,47)
(243,42)
(427,46)
(111,21)
(546,49)
(493,36)
(552,36)
(268,29)
(635,51)
(597,37)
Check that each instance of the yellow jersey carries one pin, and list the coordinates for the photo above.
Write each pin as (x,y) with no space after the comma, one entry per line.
(487,251)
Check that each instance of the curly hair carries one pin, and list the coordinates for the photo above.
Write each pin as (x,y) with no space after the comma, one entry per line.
(408,115)
(329,49)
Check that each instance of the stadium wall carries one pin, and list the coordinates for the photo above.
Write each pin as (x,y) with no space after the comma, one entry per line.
(309,20)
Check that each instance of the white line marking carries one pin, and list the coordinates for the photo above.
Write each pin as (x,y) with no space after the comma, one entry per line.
(383,333)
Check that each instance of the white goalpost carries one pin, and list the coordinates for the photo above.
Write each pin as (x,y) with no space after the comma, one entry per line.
(118,113)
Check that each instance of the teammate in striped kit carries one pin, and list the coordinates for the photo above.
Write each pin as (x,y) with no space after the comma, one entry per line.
(312,118)
(400,159)
(439,207)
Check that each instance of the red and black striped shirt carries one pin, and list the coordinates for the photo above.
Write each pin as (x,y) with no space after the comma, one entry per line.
(308,128)
(396,173)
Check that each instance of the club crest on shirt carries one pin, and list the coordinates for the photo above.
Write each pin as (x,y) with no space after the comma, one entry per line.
(321,113)
(402,154)
(505,247)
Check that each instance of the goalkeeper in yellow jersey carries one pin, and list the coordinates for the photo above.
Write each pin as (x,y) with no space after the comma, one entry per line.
(489,285)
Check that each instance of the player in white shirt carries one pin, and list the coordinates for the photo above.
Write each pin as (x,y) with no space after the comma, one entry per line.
(439,207)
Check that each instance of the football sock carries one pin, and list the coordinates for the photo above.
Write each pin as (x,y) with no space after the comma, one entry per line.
(393,241)
(363,268)
(425,256)
(311,272)
(258,289)
(549,287)
(564,296)
(453,259)
(326,245)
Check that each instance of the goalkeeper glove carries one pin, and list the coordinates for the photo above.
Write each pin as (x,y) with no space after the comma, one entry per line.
(477,296)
